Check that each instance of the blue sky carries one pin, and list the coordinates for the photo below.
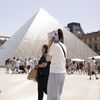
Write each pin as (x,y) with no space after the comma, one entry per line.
(14,13)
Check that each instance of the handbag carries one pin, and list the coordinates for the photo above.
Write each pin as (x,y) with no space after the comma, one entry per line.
(32,74)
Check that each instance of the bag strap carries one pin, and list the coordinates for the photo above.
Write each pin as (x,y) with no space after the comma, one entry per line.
(63,50)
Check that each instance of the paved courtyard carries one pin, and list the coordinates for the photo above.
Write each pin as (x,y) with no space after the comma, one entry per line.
(76,87)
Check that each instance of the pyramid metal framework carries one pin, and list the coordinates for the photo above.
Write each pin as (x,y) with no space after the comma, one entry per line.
(28,40)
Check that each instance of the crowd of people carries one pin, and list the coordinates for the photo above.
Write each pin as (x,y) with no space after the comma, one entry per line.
(75,67)
(17,66)
(88,67)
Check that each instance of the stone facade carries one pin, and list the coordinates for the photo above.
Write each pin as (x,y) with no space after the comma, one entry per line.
(92,40)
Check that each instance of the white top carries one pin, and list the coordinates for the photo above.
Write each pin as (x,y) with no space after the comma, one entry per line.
(18,63)
(93,63)
(27,63)
(58,60)
(30,62)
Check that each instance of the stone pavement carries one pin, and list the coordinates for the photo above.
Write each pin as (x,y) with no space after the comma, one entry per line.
(76,87)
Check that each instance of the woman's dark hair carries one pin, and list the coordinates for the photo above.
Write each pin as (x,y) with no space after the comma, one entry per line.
(60,35)
(46,48)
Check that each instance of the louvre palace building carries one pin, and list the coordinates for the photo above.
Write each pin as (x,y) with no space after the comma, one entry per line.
(91,39)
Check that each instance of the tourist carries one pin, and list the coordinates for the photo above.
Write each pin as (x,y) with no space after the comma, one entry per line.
(22,67)
(35,63)
(7,65)
(70,67)
(58,65)
(17,65)
(93,68)
(43,73)
(13,67)
(28,65)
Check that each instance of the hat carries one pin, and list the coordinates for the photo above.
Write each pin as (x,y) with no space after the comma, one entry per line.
(53,35)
